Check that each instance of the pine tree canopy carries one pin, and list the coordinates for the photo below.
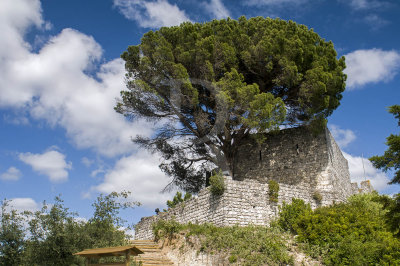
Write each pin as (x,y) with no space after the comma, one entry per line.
(210,85)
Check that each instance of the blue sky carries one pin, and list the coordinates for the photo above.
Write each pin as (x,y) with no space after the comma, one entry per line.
(60,75)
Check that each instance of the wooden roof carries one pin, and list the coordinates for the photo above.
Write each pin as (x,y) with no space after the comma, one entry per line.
(112,251)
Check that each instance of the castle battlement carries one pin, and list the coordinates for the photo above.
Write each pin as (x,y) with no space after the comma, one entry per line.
(307,167)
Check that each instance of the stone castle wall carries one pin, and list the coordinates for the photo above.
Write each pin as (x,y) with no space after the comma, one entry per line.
(303,166)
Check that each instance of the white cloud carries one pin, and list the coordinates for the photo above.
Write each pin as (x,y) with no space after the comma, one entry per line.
(12,174)
(15,18)
(54,84)
(82,220)
(217,9)
(24,204)
(274,2)
(87,162)
(343,137)
(365,4)
(378,179)
(151,14)
(375,21)
(97,171)
(371,66)
(140,175)
(18,119)
(50,163)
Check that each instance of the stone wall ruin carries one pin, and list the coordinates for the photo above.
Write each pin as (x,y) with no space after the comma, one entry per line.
(307,167)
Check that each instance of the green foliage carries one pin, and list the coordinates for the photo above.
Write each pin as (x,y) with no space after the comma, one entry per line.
(391,158)
(273,191)
(51,235)
(250,245)
(178,199)
(166,228)
(232,258)
(103,229)
(317,197)
(392,214)
(54,236)
(218,82)
(11,236)
(353,233)
(217,185)
(290,213)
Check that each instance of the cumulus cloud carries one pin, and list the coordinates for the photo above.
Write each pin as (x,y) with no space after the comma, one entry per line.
(140,175)
(12,174)
(151,14)
(343,137)
(24,204)
(50,163)
(378,179)
(371,66)
(15,18)
(217,9)
(65,85)
(54,84)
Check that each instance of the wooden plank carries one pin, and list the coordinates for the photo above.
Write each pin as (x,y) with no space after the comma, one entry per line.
(111,251)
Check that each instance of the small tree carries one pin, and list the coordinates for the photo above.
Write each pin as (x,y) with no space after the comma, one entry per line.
(104,227)
(12,235)
(178,199)
(54,235)
(391,158)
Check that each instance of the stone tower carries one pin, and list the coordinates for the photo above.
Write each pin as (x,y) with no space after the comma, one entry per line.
(296,157)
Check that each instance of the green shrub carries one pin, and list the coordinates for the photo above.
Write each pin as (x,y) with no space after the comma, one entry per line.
(353,233)
(166,229)
(392,207)
(217,185)
(317,197)
(232,258)
(249,245)
(290,213)
(273,190)
(178,199)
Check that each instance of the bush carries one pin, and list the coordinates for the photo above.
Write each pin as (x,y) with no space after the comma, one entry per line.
(392,207)
(353,233)
(273,190)
(317,197)
(290,213)
(166,228)
(217,185)
(249,245)
(178,199)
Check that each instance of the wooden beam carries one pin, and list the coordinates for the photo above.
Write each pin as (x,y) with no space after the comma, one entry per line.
(127,258)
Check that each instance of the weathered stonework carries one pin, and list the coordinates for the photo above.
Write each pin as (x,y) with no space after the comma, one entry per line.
(302,164)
